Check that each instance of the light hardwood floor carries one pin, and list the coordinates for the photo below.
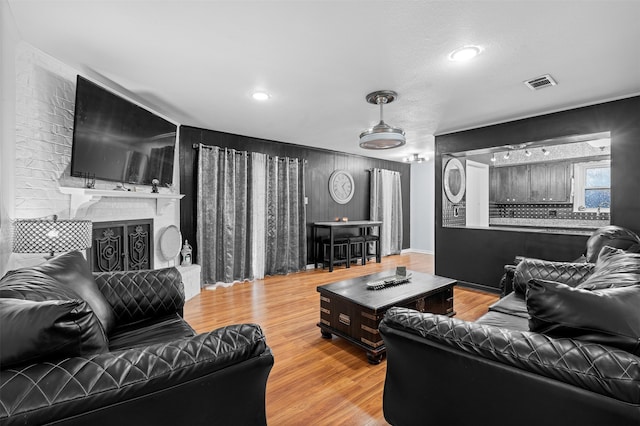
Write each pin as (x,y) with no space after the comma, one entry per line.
(314,381)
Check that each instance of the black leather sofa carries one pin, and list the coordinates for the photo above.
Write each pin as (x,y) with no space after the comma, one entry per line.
(562,348)
(101,349)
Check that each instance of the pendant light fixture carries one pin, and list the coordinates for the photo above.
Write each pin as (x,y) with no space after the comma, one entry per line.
(415,158)
(382,136)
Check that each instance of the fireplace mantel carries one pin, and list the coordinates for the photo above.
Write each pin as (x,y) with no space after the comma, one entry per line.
(84,197)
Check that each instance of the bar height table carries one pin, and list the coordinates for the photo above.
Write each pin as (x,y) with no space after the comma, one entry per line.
(362,225)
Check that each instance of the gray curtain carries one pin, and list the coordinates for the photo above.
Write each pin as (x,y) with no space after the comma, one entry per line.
(386,206)
(286,230)
(251,215)
(224,215)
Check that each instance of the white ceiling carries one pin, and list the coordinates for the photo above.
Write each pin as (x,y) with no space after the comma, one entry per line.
(198,62)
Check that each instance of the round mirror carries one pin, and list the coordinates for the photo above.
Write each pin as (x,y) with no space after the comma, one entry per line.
(453,180)
(170,242)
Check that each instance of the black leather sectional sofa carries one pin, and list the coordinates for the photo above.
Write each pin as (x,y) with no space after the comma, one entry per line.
(562,348)
(113,349)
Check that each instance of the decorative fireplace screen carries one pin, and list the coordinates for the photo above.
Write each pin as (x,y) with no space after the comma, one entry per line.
(123,245)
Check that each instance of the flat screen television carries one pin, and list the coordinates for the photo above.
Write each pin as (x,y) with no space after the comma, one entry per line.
(117,140)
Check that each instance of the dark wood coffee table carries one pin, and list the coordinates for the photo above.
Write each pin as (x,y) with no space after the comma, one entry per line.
(352,311)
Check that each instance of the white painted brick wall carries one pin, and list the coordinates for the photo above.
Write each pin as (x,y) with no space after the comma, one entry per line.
(45,97)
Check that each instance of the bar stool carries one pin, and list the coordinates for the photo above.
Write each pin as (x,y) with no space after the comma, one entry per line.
(357,248)
(340,250)
(375,239)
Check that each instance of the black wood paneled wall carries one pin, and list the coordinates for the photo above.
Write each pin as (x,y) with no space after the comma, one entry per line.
(320,164)
(477,256)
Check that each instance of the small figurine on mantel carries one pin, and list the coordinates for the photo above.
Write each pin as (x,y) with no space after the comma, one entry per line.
(154,186)
(186,254)
(89,180)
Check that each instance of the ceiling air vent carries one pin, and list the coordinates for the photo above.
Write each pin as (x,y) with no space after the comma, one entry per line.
(540,82)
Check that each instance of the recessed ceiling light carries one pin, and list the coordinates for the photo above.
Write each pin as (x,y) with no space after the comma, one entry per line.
(464,53)
(261,96)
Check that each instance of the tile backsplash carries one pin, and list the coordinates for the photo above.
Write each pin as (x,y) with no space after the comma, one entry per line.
(562,211)
(454,215)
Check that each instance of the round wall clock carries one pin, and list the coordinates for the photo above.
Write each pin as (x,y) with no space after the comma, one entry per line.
(341,186)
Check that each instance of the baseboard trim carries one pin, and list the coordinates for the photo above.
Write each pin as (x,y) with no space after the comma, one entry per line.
(480,287)
(413,250)
(403,251)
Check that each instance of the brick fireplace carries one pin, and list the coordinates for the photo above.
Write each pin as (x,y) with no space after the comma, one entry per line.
(122,245)
(44,134)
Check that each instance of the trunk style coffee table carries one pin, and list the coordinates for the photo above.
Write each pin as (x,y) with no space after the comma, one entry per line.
(352,311)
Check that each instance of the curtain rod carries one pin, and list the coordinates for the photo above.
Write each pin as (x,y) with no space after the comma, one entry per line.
(196,146)
(393,171)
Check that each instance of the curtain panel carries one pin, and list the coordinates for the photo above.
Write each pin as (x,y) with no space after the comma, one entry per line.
(286,236)
(224,215)
(386,206)
(251,215)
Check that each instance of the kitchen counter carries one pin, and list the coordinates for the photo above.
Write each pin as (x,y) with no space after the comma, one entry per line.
(589,225)
(552,230)
(547,226)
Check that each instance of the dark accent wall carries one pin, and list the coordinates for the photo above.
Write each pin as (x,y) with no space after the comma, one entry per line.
(320,164)
(477,256)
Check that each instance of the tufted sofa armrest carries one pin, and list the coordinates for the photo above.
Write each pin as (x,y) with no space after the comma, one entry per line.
(138,295)
(49,391)
(601,369)
(506,282)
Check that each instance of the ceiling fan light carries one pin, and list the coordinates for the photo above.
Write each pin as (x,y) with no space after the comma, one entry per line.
(382,136)
(378,138)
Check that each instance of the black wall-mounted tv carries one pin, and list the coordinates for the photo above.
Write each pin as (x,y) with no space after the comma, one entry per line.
(117,140)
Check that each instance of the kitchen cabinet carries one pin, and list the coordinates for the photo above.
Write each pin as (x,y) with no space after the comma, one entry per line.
(497,182)
(531,183)
(510,184)
(559,183)
(550,182)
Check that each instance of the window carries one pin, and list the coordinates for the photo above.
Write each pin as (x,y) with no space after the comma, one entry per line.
(592,186)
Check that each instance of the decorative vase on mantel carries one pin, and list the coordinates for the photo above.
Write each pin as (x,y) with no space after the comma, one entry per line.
(186,254)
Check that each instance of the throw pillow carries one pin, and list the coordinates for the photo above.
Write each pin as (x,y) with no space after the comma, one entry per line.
(30,284)
(35,331)
(72,270)
(614,268)
(611,235)
(608,316)
(566,272)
